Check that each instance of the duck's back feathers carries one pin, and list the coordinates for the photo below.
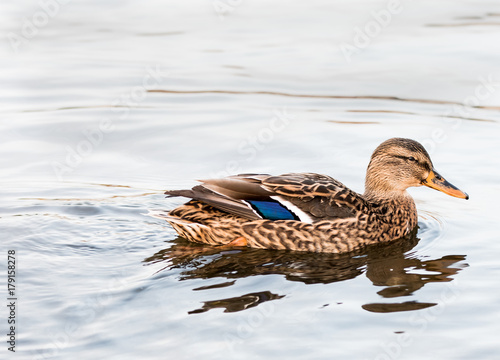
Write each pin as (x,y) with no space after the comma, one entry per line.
(320,196)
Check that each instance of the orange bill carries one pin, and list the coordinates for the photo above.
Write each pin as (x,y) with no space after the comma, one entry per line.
(436,181)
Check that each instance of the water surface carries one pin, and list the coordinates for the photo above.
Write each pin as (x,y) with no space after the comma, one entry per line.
(109,103)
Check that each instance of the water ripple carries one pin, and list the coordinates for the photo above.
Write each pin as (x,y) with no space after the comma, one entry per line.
(431,229)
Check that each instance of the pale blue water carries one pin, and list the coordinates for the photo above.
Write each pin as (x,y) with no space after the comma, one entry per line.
(106,104)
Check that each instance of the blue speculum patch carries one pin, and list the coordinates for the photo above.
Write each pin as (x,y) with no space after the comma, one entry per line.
(272,210)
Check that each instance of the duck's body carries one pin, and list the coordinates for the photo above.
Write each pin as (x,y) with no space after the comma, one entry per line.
(310,212)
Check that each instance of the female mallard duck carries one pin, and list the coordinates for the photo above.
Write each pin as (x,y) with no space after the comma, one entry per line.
(311,212)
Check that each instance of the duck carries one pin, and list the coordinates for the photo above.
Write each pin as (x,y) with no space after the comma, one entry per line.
(308,211)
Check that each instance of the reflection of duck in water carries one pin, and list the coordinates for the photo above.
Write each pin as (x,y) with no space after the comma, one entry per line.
(391,267)
(311,212)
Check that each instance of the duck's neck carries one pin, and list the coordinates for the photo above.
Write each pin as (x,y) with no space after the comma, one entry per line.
(390,200)
(379,186)
(396,208)
(384,195)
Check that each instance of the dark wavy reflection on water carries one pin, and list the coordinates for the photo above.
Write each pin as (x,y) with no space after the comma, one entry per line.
(392,267)
(238,303)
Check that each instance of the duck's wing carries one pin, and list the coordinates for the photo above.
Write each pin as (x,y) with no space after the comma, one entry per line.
(321,197)
(305,197)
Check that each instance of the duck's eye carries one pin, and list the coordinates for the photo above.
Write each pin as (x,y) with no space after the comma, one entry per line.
(412,159)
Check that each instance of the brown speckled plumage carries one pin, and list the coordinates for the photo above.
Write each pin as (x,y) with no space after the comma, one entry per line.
(334,218)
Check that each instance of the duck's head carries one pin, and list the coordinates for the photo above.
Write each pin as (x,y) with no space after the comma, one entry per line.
(397,164)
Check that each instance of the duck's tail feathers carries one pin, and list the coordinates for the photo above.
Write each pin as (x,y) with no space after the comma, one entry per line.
(189,230)
(165,215)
